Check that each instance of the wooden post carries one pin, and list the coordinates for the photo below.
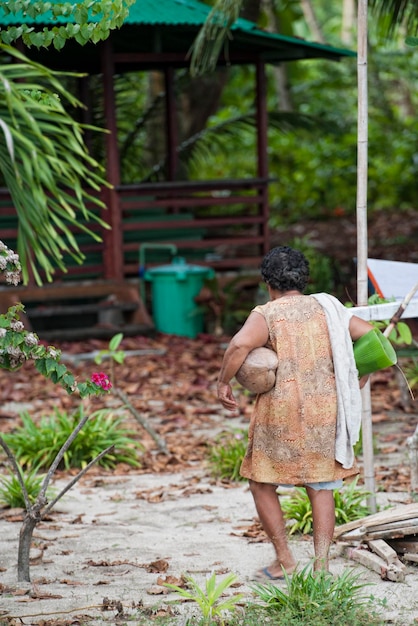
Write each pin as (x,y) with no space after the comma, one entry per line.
(412,443)
(171,124)
(262,153)
(113,239)
(362,243)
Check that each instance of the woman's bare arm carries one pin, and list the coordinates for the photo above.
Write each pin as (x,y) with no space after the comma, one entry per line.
(253,334)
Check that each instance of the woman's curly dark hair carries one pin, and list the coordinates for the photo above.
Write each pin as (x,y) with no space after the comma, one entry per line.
(285,269)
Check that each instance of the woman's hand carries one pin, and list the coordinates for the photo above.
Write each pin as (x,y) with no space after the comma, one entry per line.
(226,397)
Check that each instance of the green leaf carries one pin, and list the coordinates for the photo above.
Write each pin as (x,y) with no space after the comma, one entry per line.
(115,341)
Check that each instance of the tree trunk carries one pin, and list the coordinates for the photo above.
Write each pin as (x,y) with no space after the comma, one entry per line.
(25,541)
(348,22)
(280,71)
(311,21)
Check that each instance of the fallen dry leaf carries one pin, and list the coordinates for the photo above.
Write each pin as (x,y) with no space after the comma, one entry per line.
(156,590)
(157,567)
(171,580)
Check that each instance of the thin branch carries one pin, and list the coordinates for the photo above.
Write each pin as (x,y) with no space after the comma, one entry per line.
(60,455)
(160,443)
(76,479)
(397,316)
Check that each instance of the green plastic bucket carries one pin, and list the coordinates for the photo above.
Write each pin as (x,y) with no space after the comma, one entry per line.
(372,352)
(173,291)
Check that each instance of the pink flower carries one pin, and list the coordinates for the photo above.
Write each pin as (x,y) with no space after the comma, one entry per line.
(101,380)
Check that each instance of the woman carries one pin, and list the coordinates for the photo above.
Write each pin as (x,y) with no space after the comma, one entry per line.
(302,432)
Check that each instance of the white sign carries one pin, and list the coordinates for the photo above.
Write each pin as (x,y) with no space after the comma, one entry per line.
(392,279)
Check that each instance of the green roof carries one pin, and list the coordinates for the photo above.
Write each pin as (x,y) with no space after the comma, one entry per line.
(170,27)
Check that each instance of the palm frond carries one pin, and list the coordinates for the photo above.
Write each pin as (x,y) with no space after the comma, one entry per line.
(213,36)
(44,164)
(399,13)
(201,144)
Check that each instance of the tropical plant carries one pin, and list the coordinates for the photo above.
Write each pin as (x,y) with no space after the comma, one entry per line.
(410,370)
(321,599)
(37,444)
(209,598)
(348,506)
(83,21)
(226,454)
(17,346)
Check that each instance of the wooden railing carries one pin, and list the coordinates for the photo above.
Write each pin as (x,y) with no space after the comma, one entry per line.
(222,224)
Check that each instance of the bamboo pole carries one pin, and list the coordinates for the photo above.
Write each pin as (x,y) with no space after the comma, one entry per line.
(362,243)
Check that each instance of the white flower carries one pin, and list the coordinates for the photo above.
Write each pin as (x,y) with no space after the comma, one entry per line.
(17,326)
(13,278)
(31,339)
(14,351)
(53,352)
(2,332)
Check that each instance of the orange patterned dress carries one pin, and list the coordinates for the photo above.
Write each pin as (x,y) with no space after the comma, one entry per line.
(291,437)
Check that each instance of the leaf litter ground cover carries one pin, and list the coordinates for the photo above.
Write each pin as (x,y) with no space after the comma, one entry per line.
(118,535)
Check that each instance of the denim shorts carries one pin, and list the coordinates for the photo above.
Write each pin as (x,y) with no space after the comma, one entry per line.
(330,485)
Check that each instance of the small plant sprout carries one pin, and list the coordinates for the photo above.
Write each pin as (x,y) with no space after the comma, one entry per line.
(118,356)
(113,353)
(209,598)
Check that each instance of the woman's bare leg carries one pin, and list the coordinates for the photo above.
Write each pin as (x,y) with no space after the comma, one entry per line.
(271,517)
(323,514)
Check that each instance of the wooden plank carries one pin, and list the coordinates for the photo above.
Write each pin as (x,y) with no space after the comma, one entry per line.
(404,512)
(383,549)
(80,309)
(394,525)
(409,556)
(405,545)
(377,564)
(67,291)
(391,534)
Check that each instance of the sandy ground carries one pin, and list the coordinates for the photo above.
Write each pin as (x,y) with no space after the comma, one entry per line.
(113,539)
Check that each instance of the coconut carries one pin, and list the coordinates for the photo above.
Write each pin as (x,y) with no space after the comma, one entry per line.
(258,372)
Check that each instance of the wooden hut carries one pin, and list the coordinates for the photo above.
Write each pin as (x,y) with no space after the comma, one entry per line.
(157,36)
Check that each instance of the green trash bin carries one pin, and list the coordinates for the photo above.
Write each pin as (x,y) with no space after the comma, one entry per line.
(173,291)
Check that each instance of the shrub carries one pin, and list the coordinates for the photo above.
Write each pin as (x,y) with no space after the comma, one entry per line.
(319,598)
(225,456)
(38,444)
(11,490)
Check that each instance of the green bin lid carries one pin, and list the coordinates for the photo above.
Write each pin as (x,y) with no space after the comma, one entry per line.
(179,268)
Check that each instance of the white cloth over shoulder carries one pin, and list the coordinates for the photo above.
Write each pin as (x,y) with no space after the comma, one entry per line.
(346,378)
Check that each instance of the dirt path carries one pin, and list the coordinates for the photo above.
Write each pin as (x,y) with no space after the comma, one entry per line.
(118,535)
